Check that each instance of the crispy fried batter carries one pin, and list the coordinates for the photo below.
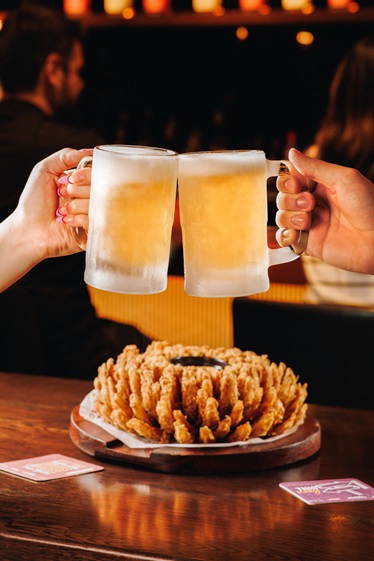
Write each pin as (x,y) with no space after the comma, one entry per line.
(183,431)
(241,433)
(138,409)
(229,393)
(208,409)
(206,435)
(223,428)
(149,396)
(165,413)
(144,429)
(236,414)
(189,389)
(296,418)
(150,393)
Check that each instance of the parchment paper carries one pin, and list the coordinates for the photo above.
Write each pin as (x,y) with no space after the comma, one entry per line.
(88,412)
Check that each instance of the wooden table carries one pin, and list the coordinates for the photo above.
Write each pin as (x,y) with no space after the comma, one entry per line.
(134,514)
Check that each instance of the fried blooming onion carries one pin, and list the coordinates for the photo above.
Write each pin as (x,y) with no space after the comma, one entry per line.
(149,396)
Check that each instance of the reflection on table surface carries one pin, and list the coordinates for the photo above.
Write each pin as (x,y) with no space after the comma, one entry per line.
(125,512)
(159,513)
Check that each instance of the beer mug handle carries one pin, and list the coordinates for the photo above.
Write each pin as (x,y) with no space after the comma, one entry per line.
(81,233)
(291,252)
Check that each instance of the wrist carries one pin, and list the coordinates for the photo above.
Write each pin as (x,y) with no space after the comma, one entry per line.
(20,248)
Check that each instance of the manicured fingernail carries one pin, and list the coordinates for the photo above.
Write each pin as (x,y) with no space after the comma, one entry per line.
(64,179)
(297,220)
(288,185)
(78,176)
(60,219)
(302,202)
(59,192)
(67,219)
(286,234)
(61,211)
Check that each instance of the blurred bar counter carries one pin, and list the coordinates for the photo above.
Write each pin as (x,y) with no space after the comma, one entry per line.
(230,17)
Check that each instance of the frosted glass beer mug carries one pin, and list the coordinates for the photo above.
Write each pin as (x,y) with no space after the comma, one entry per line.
(131,212)
(223,211)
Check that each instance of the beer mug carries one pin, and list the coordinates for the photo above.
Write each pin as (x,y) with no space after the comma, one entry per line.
(131,213)
(224,214)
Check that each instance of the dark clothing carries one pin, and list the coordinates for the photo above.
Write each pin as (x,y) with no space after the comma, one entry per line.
(52,325)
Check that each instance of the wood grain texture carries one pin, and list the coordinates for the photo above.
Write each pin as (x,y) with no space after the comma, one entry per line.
(127,512)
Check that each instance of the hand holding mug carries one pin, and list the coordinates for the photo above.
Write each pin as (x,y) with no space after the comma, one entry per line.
(223,206)
(338,212)
(131,211)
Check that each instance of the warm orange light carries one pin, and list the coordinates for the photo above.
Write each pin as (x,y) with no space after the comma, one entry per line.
(305,38)
(248,5)
(241,33)
(206,5)
(338,4)
(219,11)
(113,7)
(295,4)
(353,7)
(264,9)
(156,6)
(128,13)
(308,9)
(76,7)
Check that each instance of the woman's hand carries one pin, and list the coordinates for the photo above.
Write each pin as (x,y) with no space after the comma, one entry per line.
(49,217)
(41,226)
(74,191)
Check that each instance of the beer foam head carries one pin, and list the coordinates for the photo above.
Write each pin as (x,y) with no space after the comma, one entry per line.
(133,164)
(221,162)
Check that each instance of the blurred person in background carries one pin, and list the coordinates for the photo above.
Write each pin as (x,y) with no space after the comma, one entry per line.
(346,137)
(41,61)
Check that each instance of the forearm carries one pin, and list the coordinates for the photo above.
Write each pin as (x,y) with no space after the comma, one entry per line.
(18,254)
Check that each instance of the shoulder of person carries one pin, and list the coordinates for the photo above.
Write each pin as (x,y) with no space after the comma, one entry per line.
(72,135)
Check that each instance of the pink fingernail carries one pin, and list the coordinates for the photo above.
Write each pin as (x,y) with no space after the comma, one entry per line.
(59,192)
(64,180)
(60,219)
(61,211)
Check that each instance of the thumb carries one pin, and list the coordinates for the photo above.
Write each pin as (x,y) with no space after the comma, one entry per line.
(312,168)
(60,161)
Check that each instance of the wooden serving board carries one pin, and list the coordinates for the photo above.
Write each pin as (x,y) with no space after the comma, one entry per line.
(297,446)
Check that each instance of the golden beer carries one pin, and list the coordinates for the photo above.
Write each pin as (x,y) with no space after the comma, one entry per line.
(130,219)
(223,205)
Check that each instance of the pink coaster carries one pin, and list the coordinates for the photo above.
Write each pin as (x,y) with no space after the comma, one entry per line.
(330,491)
(45,468)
